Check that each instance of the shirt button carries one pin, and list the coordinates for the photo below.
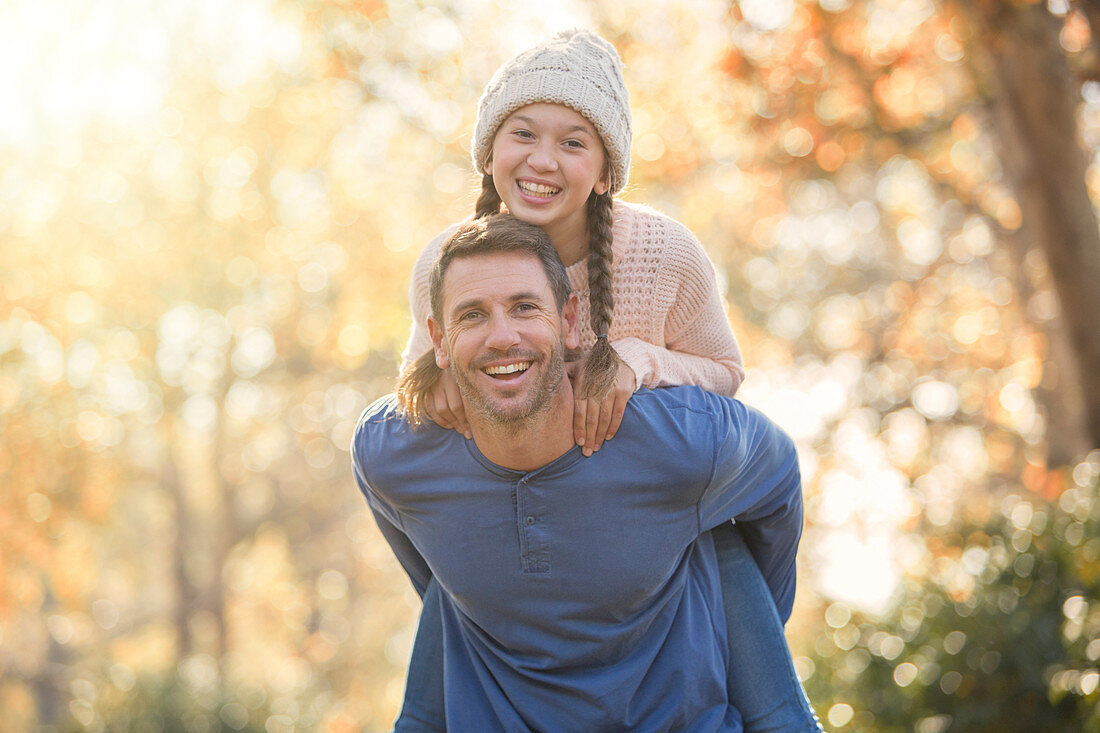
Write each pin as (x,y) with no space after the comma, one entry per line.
(530,520)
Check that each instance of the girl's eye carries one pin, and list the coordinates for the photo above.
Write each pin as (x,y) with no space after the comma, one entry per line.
(526,134)
(574,144)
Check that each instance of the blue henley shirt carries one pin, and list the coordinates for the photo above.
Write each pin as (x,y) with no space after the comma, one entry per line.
(584,595)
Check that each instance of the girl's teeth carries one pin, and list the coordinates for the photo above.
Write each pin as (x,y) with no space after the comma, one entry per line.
(538,189)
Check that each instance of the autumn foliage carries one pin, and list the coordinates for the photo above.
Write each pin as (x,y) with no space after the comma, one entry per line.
(205,240)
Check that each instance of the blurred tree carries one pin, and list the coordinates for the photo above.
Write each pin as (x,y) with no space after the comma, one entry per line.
(179,381)
(1035,96)
(982,97)
(969,114)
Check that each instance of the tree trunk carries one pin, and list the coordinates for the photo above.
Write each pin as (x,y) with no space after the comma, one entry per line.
(52,679)
(1035,113)
(185,589)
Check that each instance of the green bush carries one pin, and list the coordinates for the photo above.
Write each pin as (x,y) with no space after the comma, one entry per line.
(1002,633)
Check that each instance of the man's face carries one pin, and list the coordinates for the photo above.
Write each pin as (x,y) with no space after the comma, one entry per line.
(502,335)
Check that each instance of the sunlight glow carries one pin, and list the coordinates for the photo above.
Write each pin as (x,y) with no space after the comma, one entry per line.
(84,61)
(862,500)
(768,15)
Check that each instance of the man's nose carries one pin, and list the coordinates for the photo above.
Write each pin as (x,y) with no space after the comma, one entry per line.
(502,333)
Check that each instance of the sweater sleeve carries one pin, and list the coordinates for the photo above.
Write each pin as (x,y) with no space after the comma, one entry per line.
(699,346)
(419,301)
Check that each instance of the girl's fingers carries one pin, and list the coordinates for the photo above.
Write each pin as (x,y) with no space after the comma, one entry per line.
(443,409)
(592,434)
(617,414)
(438,416)
(456,407)
(624,390)
(439,403)
(580,415)
(606,410)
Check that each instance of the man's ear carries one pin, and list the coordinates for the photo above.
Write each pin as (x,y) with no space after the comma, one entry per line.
(569,323)
(442,360)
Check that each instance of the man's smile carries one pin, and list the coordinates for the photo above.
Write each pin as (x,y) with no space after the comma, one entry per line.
(517,367)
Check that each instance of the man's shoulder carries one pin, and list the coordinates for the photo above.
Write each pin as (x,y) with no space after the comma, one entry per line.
(388,453)
(382,428)
(686,398)
(691,414)
(674,416)
(383,410)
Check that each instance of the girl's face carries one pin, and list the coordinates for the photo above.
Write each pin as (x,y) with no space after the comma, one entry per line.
(545,161)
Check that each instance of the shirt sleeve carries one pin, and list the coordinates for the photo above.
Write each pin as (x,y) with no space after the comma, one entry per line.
(419,300)
(699,346)
(756,482)
(410,558)
(385,516)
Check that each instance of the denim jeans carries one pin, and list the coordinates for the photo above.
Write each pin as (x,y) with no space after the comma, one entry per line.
(762,682)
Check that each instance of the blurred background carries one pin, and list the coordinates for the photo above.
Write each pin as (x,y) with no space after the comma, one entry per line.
(208,215)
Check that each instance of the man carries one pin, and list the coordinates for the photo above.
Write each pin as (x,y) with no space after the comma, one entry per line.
(579,593)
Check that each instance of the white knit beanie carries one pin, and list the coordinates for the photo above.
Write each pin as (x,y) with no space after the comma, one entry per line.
(578,69)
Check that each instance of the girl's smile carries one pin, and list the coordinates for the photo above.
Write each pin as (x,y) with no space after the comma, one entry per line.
(546,160)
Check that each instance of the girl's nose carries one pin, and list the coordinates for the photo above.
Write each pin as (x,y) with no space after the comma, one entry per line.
(541,159)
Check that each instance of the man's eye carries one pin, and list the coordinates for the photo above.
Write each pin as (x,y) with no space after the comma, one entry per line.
(469,316)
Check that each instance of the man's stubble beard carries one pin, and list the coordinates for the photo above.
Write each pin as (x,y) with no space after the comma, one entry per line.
(538,401)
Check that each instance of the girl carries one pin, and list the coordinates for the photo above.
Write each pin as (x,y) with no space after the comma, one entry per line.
(552,142)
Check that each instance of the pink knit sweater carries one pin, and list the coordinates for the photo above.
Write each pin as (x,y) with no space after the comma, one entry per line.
(668,322)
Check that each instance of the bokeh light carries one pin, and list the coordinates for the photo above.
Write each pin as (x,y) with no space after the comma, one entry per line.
(208,215)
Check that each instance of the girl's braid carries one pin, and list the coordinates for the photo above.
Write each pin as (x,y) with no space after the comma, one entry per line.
(603,363)
(488,203)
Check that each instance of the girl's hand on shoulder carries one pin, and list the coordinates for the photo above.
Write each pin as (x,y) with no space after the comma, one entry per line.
(595,421)
(444,404)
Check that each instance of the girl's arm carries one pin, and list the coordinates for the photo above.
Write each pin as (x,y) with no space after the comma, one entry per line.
(705,353)
(697,345)
(669,325)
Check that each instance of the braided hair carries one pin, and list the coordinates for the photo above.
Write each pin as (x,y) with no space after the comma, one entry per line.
(602,362)
(413,385)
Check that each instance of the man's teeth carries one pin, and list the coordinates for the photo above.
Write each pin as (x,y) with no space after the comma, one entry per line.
(520,366)
(538,189)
